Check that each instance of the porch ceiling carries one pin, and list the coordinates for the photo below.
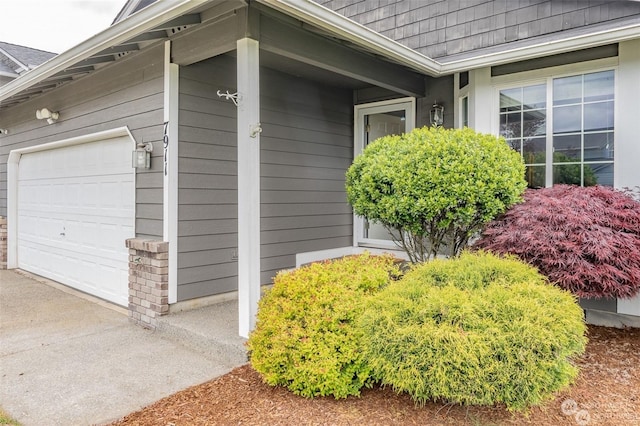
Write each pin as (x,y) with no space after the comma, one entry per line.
(309,72)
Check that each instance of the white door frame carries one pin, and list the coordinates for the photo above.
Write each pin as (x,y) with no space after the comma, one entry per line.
(360,111)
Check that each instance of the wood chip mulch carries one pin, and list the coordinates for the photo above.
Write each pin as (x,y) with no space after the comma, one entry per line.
(607,392)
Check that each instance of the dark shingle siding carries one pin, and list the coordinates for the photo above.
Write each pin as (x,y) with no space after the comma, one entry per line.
(440,28)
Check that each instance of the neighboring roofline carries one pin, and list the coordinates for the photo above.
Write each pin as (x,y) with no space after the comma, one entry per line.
(333,22)
(146,19)
(21,66)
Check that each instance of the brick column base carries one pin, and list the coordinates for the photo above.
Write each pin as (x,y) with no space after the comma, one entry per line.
(3,242)
(148,281)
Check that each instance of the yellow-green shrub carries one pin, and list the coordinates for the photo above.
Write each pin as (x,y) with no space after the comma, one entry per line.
(477,330)
(305,337)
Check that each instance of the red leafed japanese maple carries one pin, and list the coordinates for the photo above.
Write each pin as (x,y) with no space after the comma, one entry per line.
(585,240)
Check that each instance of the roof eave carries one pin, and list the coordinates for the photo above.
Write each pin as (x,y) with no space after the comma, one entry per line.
(122,31)
(333,22)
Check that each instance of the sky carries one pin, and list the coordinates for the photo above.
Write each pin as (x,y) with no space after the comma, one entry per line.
(55,25)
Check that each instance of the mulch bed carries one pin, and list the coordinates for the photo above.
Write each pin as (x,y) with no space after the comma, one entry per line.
(607,392)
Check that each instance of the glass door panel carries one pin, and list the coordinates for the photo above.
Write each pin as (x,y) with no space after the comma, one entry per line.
(373,122)
(377,126)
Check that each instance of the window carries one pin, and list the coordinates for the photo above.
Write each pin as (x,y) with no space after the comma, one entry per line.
(464,111)
(523,121)
(576,125)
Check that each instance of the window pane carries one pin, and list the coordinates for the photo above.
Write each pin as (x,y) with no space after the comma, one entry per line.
(567,148)
(515,144)
(567,119)
(598,86)
(510,125)
(534,150)
(465,111)
(510,100)
(602,174)
(534,123)
(535,176)
(598,146)
(570,174)
(567,90)
(534,97)
(598,116)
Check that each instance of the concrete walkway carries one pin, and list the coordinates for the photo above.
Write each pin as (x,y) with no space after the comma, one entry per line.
(67,359)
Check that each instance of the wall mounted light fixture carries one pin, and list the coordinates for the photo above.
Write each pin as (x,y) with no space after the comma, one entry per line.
(141,158)
(45,114)
(436,115)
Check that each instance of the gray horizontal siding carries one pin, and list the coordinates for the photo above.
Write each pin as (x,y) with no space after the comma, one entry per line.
(307,145)
(439,28)
(207,180)
(125,93)
(607,305)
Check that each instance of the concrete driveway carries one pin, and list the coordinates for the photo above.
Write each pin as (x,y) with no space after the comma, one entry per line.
(66,359)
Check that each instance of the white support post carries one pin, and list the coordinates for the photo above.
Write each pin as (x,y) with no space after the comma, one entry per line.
(248,184)
(480,100)
(170,168)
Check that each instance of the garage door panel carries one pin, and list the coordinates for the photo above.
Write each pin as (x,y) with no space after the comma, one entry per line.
(75,209)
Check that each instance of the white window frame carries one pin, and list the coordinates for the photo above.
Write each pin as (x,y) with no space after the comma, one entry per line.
(546,76)
(409,106)
(459,95)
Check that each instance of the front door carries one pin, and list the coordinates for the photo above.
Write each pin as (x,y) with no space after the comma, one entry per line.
(374,121)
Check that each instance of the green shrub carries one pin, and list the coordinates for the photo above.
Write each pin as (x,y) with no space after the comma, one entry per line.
(476,330)
(436,186)
(305,336)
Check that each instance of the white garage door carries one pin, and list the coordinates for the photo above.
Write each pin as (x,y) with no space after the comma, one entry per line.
(75,210)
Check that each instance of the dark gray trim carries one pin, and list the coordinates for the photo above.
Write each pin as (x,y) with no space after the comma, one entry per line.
(600,52)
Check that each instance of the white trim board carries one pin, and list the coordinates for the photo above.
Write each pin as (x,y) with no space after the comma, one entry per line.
(315,256)
(248,73)
(170,168)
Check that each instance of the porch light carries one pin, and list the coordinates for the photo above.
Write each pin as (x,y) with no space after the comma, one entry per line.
(436,115)
(141,158)
(45,114)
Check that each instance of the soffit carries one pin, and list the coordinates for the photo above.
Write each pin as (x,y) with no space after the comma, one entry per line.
(113,52)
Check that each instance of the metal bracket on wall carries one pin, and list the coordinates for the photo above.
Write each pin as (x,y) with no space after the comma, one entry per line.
(233,96)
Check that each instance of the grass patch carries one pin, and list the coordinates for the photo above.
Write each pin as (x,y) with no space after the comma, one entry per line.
(5,419)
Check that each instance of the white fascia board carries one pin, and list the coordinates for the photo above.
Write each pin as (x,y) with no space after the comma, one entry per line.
(146,19)
(313,13)
(564,45)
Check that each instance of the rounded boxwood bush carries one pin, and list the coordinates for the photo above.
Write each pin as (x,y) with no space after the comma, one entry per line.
(305,337)
(476,330)
(434,188)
